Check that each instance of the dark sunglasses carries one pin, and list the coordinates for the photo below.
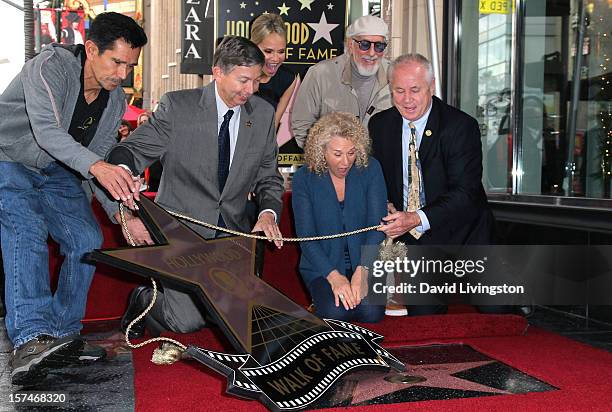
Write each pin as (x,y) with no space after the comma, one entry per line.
(364,45)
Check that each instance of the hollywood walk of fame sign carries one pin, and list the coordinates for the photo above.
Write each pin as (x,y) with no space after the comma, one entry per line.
(288,357)
(315,29)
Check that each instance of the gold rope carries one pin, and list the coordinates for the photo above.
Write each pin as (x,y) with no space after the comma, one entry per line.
(144,313)
(141,316)
(250,235)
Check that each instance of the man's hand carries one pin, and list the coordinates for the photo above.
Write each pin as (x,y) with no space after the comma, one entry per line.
(267,224)
(399,223)
(118,181)
(139,182)
(138,231)
(341,289)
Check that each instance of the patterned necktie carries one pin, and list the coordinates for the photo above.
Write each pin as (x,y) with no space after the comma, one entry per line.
(224,150)
(414,178)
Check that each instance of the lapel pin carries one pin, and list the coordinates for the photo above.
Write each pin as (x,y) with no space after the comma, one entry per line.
(249,123)
(427,132)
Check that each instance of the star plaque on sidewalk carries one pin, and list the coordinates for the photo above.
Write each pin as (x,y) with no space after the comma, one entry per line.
(433,372)
(287,356)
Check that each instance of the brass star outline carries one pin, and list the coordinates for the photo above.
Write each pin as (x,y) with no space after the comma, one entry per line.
(219,270)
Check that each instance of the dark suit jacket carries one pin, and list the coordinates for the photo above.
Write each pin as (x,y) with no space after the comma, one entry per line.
(451,165)
(183,133)
(317,212)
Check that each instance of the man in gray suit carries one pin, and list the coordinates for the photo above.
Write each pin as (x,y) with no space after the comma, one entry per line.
(215,143)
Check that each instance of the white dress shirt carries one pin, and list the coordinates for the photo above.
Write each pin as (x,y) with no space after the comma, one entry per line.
(234,123)
(234,127)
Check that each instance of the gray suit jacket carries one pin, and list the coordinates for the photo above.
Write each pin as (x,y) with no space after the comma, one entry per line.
(183,134)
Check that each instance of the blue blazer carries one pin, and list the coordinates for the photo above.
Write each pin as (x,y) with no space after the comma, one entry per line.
(317,212)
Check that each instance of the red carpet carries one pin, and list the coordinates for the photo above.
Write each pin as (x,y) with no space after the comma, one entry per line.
(581,372)
(457,326)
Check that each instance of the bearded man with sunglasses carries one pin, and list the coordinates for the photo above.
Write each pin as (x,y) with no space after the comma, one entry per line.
(355,82)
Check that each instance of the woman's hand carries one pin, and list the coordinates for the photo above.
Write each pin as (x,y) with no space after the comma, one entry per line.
(359,285)
(341,288)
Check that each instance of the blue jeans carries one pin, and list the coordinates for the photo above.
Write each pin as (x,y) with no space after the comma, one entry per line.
(325,305)
(34,205)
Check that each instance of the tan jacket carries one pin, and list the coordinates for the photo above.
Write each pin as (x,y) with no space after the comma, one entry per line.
(327,88)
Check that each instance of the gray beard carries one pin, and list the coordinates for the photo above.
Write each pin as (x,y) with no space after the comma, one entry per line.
(367,72)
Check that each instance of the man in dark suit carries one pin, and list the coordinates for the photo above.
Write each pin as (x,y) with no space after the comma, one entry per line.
(453,205)
(215,143)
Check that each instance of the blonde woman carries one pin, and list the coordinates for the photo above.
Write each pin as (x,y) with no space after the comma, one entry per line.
(276,87)
(340,188)
(278,82)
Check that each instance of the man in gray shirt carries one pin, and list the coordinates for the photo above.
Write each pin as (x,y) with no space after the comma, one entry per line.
(355,82)
(59,117)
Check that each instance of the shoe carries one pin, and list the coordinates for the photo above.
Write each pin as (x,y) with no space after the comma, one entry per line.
(31,362)
(526,311)
(393,309)
(91,353)
(138,302)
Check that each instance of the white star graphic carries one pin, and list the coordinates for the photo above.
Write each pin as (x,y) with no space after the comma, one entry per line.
(283,9)
(228,11)
(330,6)
(257,3)
(252,14)
(265,12)
(242,5)
(305,4)
(322,29)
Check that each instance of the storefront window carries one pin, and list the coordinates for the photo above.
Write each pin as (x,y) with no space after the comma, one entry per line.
(484,88)
(563,143)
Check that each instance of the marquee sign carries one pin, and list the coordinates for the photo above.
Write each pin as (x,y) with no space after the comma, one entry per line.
(197,34)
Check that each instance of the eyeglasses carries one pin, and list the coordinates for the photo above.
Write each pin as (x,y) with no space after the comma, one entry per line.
(364,45)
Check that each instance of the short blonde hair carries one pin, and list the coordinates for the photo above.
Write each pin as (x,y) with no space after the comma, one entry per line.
(265,25)
(333,124)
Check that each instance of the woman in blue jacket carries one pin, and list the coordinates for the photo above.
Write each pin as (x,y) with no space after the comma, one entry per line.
(339,189)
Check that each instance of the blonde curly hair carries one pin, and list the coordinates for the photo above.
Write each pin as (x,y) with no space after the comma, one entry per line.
(333,124)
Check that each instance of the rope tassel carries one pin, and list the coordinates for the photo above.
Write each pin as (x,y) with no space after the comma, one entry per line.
(391,251)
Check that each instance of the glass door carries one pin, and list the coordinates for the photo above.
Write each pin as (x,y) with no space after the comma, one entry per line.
(485,84)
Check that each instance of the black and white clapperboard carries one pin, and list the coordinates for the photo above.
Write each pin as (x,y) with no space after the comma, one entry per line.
(286,357)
